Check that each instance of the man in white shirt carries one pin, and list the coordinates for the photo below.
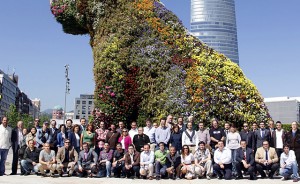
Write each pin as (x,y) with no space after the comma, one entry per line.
(146,162)
(189,137)
(222,158)
(133,131)
(288,164)
(278,138)
(150,131)
(5,143)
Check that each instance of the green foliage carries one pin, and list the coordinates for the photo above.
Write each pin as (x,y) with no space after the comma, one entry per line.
(146,65)
(13,116)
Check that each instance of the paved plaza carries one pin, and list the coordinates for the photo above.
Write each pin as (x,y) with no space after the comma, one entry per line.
(33,179)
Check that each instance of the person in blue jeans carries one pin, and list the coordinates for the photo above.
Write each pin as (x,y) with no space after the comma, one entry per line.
(5,143)
(160,161)
(288,164)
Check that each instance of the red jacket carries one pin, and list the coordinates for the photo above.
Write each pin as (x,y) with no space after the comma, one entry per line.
(127,141)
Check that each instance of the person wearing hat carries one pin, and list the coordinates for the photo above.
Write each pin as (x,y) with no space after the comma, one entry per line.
(43,135)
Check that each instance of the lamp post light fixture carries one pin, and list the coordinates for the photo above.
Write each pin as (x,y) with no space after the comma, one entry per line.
(67,91)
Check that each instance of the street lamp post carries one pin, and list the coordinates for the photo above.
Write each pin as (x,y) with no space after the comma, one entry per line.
(67,91)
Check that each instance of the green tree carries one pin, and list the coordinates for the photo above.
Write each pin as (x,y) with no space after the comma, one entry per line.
(13,116)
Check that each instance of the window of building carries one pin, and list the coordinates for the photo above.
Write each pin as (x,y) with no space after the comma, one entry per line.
(83,102)
(78,102)
(90,102)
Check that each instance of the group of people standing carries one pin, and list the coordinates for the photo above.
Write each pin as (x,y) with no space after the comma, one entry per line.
(171,149)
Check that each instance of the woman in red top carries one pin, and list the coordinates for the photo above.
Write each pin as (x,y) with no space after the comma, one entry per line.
(125,139)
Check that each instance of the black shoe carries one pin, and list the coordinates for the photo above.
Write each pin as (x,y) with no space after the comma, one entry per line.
(239,177)
(132,177)
(220,177)
(122,176)
(253,178)
(144,177)
(271,177)
(157,177)
(13,173)
(263,177)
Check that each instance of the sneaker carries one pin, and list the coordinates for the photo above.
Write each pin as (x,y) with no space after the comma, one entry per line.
(295,179)
(208,177)
(107,176)
(157,177)
(150,178)
(177,178)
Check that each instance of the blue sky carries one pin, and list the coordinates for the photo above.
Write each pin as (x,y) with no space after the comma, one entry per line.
(34,45)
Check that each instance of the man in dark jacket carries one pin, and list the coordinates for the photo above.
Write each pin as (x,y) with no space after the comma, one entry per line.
(261,135)
(248,136)
(87,160)
(16,140)
(140,140)
(31,158)
(293,139)
(53,132)
(245,161)
(132,163)
(173,162)
(112,137)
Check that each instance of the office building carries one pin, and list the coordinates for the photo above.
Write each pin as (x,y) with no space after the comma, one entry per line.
(284,109)
(214,23)
(8,91)
(83,106)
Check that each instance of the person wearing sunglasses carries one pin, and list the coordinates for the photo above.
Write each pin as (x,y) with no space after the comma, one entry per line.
(187,163)
(66,158)
(248,136)
(125,139)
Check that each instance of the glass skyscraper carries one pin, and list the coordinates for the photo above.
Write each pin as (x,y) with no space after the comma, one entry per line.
(214,23)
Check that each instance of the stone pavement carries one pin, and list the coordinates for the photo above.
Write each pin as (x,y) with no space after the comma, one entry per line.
(33,179)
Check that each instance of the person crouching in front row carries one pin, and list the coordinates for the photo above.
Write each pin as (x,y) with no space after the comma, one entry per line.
(245,161)
(66,158)
(87,160)
(222,158)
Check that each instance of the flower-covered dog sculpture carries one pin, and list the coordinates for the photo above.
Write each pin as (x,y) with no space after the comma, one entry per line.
(147,65)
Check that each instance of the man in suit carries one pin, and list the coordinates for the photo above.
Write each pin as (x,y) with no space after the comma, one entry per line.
(266,159)
(87,160)
(261,135)
(254,127)
(293,139)
(16,140)
(271,128)
(245,161)
(248,136)
(66,158)
(82,125)
(53,132)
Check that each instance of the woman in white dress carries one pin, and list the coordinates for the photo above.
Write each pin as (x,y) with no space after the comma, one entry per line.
(187,162)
